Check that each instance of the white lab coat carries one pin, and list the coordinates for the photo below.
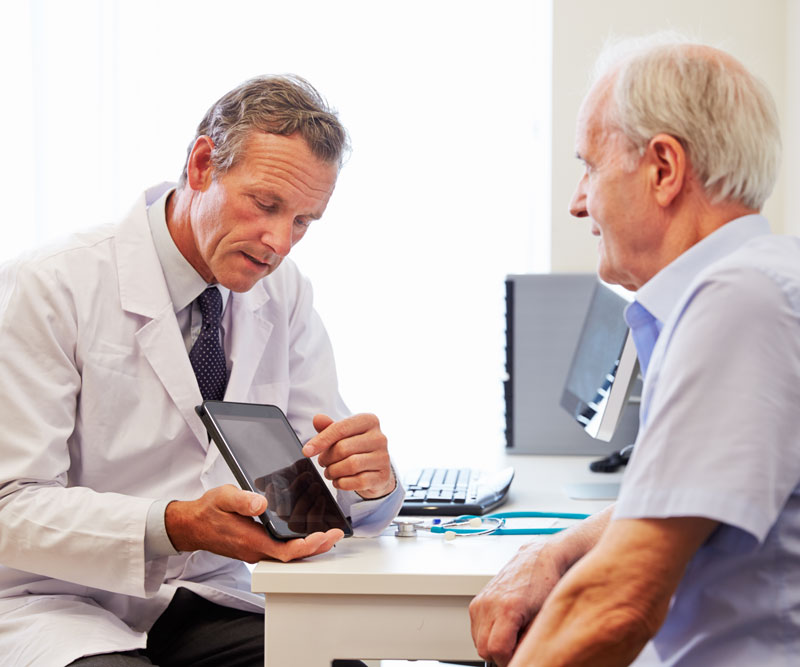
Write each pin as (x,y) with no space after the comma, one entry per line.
(97,400)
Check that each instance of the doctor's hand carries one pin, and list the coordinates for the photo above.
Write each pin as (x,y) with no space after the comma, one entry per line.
(221,521)
(354,453)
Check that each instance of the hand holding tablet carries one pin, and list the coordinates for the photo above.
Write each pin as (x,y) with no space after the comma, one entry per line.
(266,457)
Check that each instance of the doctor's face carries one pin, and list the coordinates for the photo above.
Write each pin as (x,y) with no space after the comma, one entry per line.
(246,220)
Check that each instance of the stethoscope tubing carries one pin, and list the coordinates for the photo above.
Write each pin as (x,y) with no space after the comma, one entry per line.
(500,519)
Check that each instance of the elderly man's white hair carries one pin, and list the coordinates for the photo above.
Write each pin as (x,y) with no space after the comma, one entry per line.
(723,115)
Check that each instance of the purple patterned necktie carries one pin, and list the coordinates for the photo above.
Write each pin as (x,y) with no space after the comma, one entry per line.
(207,355)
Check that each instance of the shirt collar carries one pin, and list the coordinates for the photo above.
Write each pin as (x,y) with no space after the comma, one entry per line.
(183,282)
(661,293)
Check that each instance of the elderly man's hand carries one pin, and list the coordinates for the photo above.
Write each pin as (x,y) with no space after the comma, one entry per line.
(354,453)
(221,521)
(508,603)
(502,611)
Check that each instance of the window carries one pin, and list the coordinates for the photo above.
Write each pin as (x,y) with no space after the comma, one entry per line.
(446,191)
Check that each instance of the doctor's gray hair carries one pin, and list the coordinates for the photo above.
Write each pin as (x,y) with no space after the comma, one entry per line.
(724,116)
(276,105)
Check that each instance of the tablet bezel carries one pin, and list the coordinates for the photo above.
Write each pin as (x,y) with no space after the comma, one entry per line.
(210,413)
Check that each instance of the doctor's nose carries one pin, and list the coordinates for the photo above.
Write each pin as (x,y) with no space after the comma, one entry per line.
(279,236)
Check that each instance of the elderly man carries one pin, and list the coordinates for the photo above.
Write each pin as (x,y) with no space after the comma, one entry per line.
(122,533)
(701,553)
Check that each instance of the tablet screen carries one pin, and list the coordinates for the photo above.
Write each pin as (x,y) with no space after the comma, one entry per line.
(258,440)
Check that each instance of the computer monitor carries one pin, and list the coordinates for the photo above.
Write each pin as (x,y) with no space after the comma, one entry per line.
(604,365)
(603,374)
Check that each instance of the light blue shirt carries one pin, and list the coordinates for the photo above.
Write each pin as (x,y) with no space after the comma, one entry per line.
(720,438)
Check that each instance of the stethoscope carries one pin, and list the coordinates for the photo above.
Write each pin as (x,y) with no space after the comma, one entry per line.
(469,525)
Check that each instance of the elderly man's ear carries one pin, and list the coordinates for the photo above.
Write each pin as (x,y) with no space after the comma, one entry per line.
(668,165)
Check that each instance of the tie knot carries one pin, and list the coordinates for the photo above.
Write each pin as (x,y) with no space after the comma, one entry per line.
(210,302)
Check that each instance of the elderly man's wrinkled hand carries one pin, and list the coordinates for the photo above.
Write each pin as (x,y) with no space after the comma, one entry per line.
(509,602)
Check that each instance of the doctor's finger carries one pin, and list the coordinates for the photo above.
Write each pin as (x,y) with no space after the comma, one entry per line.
(336,432)
(378,463)
(230,499)
(371,444)
(311,545)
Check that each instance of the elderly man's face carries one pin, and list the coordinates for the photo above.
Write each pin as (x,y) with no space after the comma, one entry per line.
(248,218)
(613,192)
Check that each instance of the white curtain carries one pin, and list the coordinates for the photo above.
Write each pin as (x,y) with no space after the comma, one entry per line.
(447,190)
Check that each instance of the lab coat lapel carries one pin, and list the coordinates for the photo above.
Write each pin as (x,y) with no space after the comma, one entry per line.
(143,292)
(249,336)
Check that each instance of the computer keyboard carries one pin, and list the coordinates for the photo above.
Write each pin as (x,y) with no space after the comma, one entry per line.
(453,491)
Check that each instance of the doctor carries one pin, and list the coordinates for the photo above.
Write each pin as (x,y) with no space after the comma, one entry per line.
(122,533)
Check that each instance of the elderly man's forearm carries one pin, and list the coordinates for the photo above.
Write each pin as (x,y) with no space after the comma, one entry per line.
(574,630)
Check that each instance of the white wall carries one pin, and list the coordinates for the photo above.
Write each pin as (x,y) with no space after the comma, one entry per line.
(763,34)
(791,122)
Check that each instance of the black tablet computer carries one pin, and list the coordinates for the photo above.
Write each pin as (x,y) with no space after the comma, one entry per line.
(266,457)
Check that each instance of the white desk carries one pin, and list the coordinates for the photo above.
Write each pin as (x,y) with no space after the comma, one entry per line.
(402,598)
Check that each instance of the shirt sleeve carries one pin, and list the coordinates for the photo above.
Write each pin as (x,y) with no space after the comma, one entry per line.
(80,535)
(156,540)
(370,517)
(720,432)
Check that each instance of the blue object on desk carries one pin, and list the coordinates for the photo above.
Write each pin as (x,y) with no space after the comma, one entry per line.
(470,525)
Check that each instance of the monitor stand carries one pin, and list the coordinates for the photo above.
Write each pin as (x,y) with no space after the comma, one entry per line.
(593,491)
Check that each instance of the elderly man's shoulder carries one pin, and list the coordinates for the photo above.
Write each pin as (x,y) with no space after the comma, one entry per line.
(774,255)
(762,275)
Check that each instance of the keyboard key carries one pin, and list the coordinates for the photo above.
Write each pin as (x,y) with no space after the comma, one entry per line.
(412,478)
(438,476)
(440,494)
(425,478)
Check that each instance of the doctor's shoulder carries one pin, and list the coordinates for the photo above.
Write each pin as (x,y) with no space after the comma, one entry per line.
(48,266)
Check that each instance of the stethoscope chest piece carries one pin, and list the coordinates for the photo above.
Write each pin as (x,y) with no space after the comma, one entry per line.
(406,527)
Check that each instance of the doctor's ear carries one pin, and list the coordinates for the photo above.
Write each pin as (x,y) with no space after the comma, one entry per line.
(199,168)
(668,167)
